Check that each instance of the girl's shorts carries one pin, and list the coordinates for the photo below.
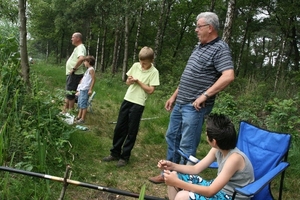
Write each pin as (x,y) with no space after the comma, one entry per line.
(83,99)
(195,179)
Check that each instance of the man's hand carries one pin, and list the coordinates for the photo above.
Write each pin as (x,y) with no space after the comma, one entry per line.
(199,102)
(169,104)
(72,71)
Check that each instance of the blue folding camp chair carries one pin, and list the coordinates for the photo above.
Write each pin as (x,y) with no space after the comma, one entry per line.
(268,153)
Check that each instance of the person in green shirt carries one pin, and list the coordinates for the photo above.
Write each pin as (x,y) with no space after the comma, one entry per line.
(142,79)
(74,70)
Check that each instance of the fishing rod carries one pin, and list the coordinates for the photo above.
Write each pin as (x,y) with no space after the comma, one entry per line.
(78,183)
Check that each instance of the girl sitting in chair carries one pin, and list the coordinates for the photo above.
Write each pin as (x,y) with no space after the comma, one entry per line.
(235,169)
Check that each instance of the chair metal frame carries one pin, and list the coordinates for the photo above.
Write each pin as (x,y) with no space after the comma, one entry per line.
(90,101)
(261,185)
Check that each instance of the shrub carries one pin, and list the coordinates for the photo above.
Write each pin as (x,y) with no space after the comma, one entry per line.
(32,134)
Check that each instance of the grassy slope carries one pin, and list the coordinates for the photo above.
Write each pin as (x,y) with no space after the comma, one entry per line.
(89,147)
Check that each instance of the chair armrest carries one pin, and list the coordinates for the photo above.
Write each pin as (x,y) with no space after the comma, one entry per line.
(257,185)
(185,156)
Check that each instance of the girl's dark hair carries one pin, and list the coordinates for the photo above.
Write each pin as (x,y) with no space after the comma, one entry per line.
(90,60)
(220,128)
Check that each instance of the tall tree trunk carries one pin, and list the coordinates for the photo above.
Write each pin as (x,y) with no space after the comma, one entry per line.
(58,52)
(23,43)
(59,59)
(159,29)
(165,23)
(294,45)
(263,52)
(137,33)
(125,59)
(246,67)
(97,51)
(88,41)
(118,52)
(115,54)
(228,21)
(279,63)
(47,51)
(212,5)
(103,50)
(182,32)
(241,49)
(162,24)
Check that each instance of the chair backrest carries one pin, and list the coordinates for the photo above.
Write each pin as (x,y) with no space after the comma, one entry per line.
(265,149)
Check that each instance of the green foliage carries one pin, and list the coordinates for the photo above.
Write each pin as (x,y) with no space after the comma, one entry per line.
(9,11)
(225,104)
(33,136)
(142,193)
(283,115)
(258,106)
(90,147)
(8,48)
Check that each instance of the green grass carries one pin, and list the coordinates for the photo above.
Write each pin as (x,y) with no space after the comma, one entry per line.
(89,147)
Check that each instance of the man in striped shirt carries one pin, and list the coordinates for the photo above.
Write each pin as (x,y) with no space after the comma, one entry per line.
(208,71)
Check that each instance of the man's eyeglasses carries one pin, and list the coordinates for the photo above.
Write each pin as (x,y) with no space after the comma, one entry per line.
(199,26)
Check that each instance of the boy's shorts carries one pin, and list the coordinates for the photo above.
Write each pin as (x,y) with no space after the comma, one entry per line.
(83,99)
(195,179)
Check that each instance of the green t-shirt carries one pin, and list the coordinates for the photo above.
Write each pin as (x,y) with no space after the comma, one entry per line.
(150,77)
(77,52)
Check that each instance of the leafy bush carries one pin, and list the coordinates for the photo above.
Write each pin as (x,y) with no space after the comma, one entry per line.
(32,134)
(282,115)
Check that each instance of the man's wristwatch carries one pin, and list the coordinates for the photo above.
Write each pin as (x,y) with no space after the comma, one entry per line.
(205,94)
(74,68)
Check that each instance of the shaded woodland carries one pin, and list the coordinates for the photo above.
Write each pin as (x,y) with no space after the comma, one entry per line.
(263,35)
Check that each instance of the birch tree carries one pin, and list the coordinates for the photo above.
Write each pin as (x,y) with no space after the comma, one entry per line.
(125,58)
(228,22)
(139,24)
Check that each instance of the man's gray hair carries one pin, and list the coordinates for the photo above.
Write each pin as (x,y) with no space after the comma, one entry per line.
(79,35)
(210,18)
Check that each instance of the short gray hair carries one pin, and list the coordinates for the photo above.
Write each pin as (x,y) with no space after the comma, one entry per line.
(210,18)
(79,35)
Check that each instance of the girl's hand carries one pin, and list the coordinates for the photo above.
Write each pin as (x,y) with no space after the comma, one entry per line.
(164,164)
(170,177)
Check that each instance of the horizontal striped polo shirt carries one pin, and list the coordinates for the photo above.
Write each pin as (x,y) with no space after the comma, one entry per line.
(203,69)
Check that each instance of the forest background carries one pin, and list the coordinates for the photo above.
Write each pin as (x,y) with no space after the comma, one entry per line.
(263,37)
